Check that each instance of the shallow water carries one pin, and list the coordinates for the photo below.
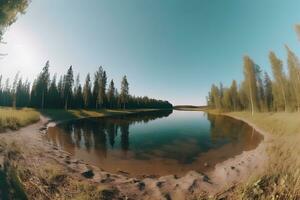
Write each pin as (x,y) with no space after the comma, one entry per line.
(155,143)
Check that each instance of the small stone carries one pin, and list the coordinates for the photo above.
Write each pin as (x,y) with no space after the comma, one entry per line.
(141,186)
(159,184)
(68,162)
(107,194)
(88,174)
(167,196)
(123,172)
(205,164)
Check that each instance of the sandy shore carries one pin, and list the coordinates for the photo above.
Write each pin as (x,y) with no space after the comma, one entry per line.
(224,175)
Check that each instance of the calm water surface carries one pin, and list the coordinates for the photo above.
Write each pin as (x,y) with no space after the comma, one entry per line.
(155,143)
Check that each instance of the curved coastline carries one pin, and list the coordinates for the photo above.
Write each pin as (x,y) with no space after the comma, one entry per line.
(225,174)
(217,181)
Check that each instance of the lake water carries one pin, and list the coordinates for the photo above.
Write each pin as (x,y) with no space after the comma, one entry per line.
(155,143)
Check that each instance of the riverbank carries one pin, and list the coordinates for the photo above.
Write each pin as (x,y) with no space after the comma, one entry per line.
(29,165)
(280,178)
(60,115)
(278,174)
(50,173)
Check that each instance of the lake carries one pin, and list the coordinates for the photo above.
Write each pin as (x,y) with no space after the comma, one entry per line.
(155,143)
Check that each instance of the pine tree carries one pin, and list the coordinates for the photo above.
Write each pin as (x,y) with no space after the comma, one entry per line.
(42,84)
(111,94)
(124,95)
(53,94)
(68,85)
(78,97)
(97,78)
(60,88)
(87,91)
(102,88)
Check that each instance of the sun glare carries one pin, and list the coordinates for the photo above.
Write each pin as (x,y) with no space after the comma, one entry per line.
(24,54)
(21,53)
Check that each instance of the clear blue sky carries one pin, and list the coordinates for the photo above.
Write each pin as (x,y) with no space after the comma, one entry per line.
(169,49)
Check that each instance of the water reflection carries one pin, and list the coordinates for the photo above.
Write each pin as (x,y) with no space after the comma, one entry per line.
(155,142)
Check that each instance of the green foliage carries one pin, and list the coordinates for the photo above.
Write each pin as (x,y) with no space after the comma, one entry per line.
(46,93)
(9,10)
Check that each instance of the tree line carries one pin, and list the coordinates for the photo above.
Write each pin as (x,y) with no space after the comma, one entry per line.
(258,92)
(68,92)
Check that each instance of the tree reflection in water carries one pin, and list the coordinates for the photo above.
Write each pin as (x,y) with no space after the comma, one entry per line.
(95,133)
(174,144)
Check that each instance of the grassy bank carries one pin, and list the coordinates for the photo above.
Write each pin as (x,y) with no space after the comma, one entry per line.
(62,115)
(16,118)
(281,178)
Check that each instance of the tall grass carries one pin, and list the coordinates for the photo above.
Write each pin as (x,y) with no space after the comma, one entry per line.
(281,178)
(16,118)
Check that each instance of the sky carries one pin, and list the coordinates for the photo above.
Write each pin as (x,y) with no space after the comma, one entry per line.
(169,49)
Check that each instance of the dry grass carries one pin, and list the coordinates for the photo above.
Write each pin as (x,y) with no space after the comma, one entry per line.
(43,179)
(16,118)
(281,178)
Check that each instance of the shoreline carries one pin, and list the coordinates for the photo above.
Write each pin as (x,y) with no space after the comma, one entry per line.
(223,176)
(54,122)
(246,165)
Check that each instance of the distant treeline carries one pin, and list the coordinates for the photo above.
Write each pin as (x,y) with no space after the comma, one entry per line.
(258,92)
(67,93)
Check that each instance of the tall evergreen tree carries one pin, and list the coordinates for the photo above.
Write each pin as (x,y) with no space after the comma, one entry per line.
(111,94)
(78,97)
(87,91)
(97,78)
(53,94)
(42,84)
(68,86)
(124,95)
(102,89)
